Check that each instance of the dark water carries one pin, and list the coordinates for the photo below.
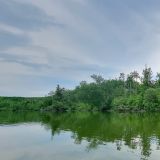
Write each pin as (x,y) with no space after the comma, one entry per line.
(79,136)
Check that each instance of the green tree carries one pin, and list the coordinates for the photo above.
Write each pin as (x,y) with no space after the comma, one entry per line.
(97,78)
(158,79)
(130,83)
(122,77)
(150,99)
(59,93)
(135,75)
(147,77)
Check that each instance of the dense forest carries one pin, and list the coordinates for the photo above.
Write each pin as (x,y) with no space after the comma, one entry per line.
(130,92)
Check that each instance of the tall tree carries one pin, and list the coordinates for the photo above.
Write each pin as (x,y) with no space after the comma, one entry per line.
(59,93)
(135,75)
(122,77)
(97,78)
(82,83)
(147,76)
(129,83)
(158,79)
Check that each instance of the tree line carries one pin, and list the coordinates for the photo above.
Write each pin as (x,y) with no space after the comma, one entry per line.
(130,92)
(127,92)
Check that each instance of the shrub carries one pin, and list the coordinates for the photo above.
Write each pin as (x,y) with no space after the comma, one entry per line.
(150,100)
(119,102)
(83,107)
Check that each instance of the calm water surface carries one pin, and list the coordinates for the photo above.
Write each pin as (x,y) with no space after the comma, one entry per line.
(79,136)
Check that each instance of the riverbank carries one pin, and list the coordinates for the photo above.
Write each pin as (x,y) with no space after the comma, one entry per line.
(44,104)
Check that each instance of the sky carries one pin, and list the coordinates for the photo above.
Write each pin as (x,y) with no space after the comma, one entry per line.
(48,42)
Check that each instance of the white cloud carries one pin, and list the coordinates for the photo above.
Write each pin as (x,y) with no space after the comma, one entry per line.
(90,37)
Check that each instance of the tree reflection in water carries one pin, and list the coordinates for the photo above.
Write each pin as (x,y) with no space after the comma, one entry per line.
(137,131)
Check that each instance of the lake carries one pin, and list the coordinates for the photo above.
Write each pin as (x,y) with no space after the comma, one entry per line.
(79,136)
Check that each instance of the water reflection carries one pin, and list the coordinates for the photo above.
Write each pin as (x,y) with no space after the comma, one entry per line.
(130,134)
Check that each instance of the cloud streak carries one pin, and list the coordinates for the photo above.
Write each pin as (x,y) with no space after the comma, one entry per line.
(43,43)
(24,16)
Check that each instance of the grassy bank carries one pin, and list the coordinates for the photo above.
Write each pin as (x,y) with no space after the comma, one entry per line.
(22,103)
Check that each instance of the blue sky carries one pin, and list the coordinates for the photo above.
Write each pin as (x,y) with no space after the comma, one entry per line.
(45,43)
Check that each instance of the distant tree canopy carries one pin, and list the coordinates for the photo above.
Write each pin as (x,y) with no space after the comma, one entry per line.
(127,92)
(97,78)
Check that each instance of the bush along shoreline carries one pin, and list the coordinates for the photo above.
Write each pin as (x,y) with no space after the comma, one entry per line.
(127,93)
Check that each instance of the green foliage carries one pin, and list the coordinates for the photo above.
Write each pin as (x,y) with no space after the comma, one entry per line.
(59,106)
(124,93)
(119,102)
(147,76)
(90,94)
(97,78)
(59,93)
(158,79)
(130,83)
(150,99)
(19,103)
(83,107)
